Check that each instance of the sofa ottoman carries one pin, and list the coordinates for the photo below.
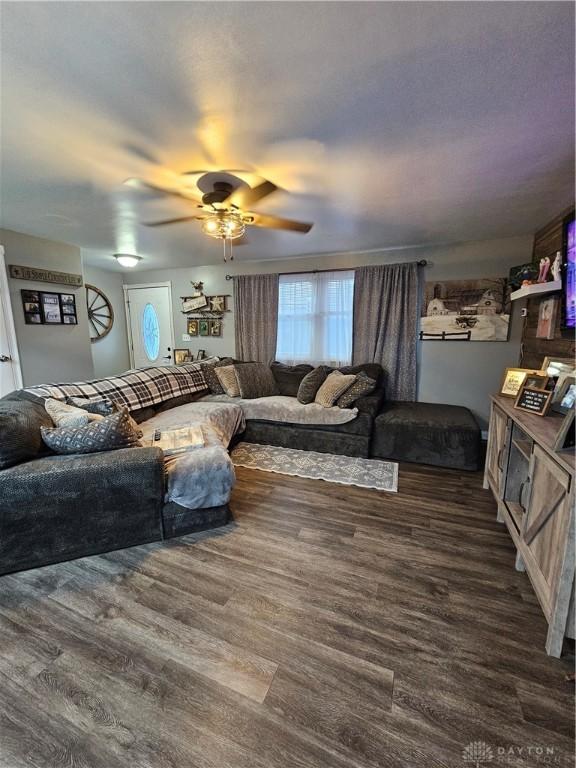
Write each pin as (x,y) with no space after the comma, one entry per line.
(428,433)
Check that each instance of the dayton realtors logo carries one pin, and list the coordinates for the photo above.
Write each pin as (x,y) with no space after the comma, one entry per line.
(477,753)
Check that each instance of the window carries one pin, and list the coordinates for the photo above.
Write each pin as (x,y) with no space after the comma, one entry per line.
(150,332)
(315,318)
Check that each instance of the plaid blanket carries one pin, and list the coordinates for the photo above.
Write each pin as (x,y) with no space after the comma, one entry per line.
(135,389)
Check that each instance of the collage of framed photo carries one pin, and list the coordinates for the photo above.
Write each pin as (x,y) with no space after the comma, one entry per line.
(204,327)
(47,308)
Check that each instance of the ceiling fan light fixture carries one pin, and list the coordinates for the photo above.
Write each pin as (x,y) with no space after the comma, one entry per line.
(224,225)
(127,259)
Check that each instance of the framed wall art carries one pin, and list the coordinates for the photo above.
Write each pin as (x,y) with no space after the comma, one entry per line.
(466,310)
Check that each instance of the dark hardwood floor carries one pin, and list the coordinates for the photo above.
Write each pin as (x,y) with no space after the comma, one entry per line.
(327,627)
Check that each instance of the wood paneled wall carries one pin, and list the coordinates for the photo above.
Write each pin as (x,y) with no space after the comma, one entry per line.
(547,241)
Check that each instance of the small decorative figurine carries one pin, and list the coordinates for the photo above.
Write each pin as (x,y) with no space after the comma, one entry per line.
(557,267)
(544,268)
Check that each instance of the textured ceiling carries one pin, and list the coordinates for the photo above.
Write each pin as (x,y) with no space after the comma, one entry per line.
(386,124)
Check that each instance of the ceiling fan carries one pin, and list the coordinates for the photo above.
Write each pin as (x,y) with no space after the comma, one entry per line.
(224,206)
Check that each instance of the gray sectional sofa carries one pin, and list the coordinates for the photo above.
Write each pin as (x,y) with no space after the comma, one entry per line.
(60,507)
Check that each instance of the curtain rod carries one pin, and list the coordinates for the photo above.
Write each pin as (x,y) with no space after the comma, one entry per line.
(421,263)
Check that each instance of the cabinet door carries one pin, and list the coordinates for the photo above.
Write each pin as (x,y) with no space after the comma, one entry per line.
(546,544)
(497,451)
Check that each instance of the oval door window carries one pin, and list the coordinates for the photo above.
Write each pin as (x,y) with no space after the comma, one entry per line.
(151,332)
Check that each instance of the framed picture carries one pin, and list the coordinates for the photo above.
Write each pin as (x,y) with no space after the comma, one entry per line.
(547,318)
(69,320)
(192,327)
(536,381)
(215,327)
(466,310)
(554,366)
(536,401)
(32,318)
(201,354)
(31,302)
(565,439)
(565,400)
(559,382)
(203,327)
(514,379)
(50,306)
(181,356)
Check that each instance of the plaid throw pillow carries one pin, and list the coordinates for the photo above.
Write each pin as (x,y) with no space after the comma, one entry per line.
(362,386)
(112,432)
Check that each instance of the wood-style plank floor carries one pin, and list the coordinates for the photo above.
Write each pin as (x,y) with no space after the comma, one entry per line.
(327,627)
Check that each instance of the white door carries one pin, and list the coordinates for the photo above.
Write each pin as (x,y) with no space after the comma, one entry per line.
(149,314)
(10,375)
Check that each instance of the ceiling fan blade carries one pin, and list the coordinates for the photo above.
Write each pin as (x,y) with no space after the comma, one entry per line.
(141,184)
(244,197)
(170,221)
(275,222)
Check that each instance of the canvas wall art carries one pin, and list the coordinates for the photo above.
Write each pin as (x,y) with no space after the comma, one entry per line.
(466,310)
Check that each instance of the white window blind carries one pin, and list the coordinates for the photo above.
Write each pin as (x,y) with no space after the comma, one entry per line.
(315,318)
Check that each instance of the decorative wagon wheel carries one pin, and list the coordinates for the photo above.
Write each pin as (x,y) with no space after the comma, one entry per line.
(100,313)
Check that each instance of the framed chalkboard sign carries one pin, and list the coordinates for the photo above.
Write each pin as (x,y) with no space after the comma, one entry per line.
(533,400)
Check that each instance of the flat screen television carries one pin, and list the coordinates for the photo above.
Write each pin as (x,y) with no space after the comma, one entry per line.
(569,275)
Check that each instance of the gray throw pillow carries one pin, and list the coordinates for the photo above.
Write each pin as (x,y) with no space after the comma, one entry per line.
(255,380)
(209,371)
(362,386)
(311,383)
(114,431)
(20,424)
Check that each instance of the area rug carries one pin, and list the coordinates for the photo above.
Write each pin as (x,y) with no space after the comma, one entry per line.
(365,473)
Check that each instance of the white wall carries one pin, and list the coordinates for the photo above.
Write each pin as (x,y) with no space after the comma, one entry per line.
(450,372)
(110,354)
(48,353)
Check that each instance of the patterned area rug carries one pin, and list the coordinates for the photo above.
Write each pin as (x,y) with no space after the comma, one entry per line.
(366,473)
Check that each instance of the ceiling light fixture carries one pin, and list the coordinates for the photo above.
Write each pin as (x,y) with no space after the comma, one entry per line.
(127,259)
(224,225)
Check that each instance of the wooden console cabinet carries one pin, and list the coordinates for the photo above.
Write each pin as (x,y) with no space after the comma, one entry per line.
(534,488)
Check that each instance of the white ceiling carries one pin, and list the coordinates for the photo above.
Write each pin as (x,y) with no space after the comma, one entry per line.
(388,124)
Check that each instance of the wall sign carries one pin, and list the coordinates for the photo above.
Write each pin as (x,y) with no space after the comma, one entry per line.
(536,401)
(44,275)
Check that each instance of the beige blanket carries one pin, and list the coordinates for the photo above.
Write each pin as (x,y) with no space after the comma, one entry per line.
(287,409)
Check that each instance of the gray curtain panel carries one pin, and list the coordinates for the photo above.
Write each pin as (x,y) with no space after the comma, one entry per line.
(256,317)
(386,305)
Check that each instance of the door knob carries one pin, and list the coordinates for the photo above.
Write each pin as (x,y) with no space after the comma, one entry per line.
(5,358)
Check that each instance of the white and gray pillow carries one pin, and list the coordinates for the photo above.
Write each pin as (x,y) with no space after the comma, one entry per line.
(108,434)
(334,386)
(64,415)
(101,406)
